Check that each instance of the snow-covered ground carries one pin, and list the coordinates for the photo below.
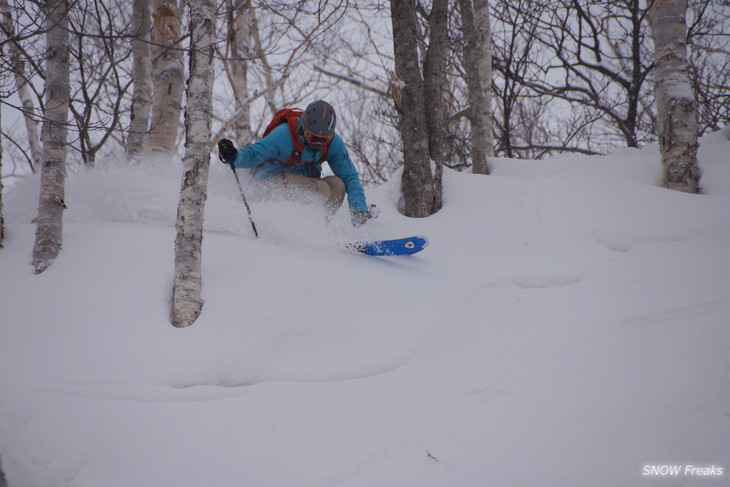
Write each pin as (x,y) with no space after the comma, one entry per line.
(569,325)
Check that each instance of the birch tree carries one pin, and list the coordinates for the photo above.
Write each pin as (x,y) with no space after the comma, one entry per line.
(676,105)
(484,65)
(17,66)
(239,27)
(2,219)
(167,76)
(478,70)
(49,236)
(187,302)
(417,176)
(260,52)
(141,77)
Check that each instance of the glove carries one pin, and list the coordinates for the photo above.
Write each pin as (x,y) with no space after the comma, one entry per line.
(360,217)
(227,152)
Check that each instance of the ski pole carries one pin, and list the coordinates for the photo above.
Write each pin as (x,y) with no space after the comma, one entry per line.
(243,196)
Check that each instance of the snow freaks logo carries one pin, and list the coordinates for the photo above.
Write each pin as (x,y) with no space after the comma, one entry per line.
(681,471)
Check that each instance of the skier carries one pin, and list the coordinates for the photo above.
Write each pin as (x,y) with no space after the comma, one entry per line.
(288,160)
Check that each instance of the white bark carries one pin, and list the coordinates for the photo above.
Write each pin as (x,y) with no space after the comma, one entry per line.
(676,104)
(141,75)
(484,65)
(167,77)
(21,85)
(261,54)
(239,27)
(49,236)
(2,219)
(187,302)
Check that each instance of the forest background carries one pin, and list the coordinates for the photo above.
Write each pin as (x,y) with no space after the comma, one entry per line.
(566,76)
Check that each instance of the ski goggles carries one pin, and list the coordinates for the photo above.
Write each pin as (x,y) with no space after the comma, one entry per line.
(317,139)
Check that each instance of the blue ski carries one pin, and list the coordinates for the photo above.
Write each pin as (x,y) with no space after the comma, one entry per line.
(401,246)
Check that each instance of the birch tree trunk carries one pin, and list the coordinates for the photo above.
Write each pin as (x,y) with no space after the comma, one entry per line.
(676,105)
(261,54)
(484,64)
(2,219)
(141,76)
(187,302)
(417,176)
(239,27)
(434,74)
(49,230)
(21,85)
(478,70)
(167,77)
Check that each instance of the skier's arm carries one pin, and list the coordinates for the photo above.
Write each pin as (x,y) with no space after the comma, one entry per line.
(275,146)
(343,167)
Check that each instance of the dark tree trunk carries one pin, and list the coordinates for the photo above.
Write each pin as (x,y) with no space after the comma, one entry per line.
(417,175)
(435,84)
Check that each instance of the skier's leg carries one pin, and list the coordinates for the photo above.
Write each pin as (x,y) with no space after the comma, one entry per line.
(291,187)
(336,194)
(302,186)
(329,191)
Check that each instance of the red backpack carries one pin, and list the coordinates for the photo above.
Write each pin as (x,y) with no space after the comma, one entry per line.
(290,116)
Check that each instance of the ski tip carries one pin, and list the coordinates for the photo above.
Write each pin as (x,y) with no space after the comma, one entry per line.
(422,241)
(415,244)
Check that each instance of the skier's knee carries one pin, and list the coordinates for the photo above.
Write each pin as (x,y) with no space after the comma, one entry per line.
(336,185)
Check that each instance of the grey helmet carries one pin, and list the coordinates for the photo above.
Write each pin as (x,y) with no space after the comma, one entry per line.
(318,122)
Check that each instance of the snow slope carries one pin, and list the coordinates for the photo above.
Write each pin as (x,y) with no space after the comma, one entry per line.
(568,325)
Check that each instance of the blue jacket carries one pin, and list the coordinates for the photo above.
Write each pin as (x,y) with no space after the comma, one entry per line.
(267,158)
